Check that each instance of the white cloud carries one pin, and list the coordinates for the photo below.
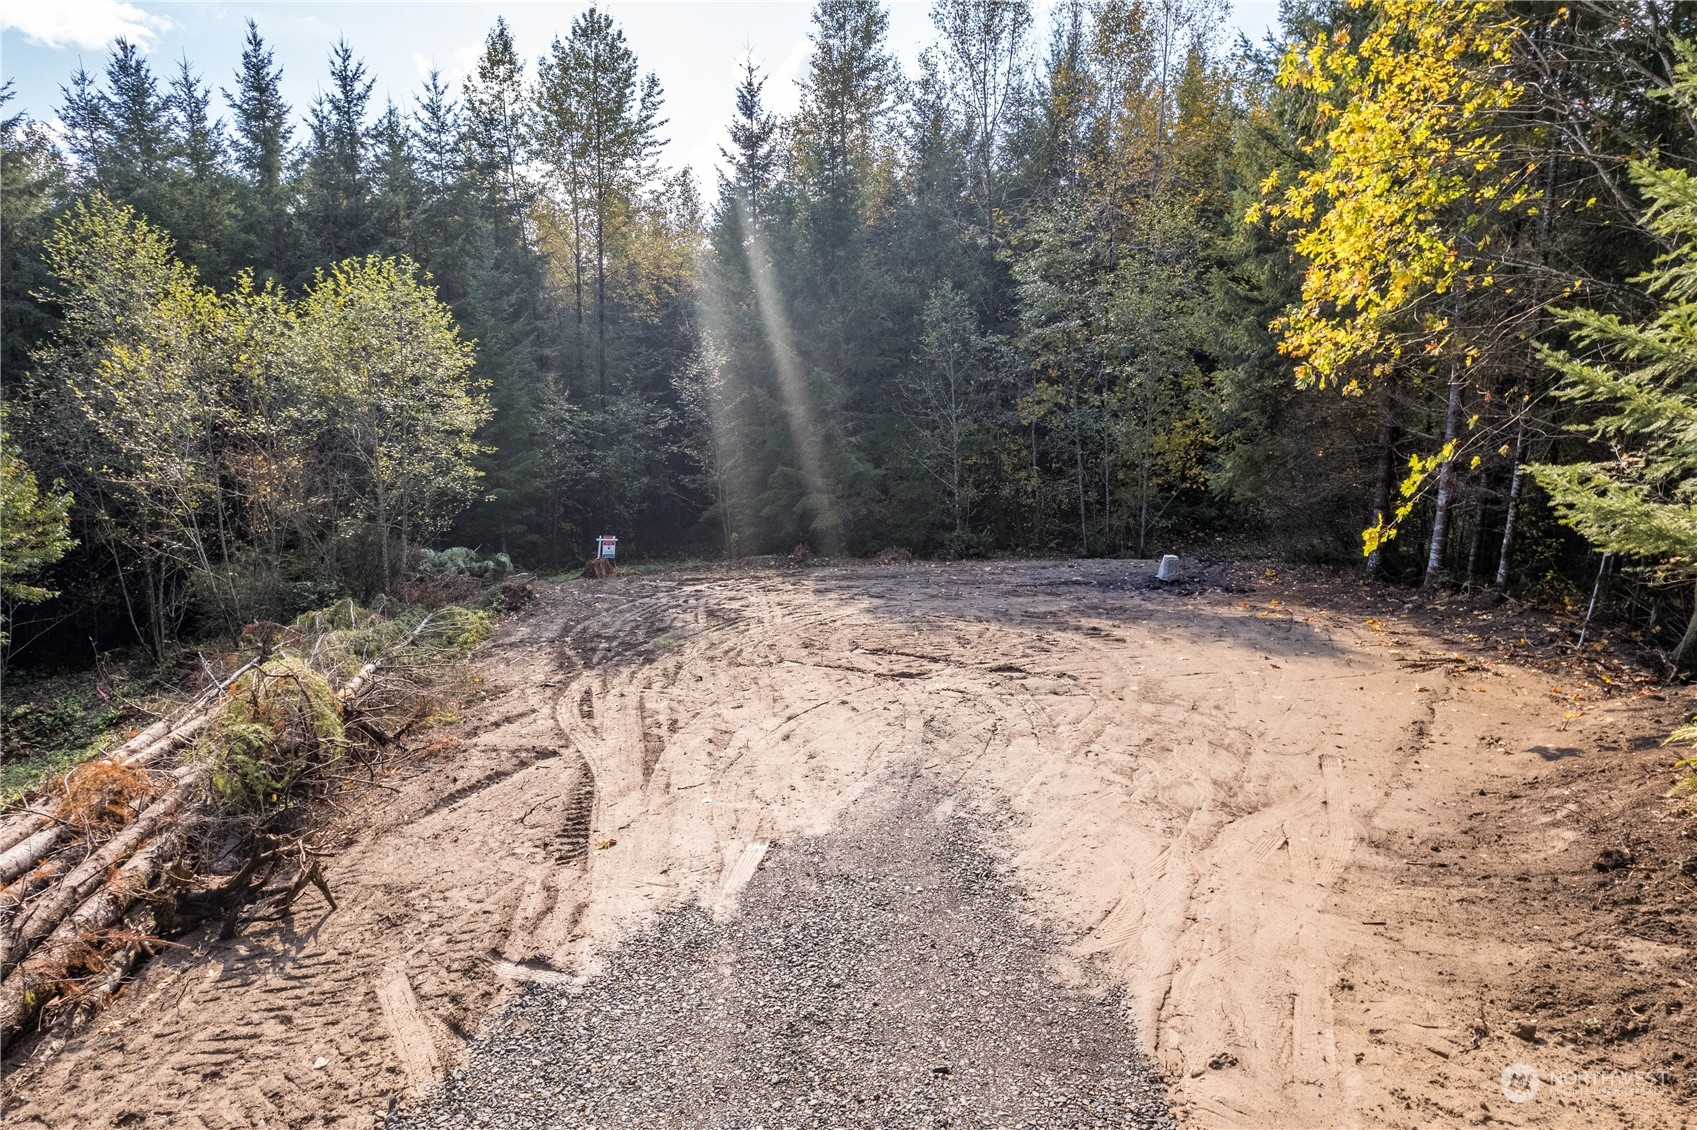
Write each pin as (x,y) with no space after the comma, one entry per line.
(783,93)
(90,24)
(458,68)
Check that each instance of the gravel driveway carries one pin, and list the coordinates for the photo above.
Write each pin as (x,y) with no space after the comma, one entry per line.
(880,975)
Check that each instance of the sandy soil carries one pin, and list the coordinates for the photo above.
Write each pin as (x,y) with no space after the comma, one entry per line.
(1334,865)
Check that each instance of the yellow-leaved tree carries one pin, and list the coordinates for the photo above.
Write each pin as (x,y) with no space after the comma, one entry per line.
(35,531)
(1399,216)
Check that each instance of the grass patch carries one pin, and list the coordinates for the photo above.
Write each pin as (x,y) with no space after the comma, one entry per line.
(647,569)
(1686,735)
(53,723)
(278,723)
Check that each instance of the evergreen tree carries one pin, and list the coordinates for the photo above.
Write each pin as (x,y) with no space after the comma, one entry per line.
(487,259)
(397,189)
(437,126)
(599,129)
(336,185)
(201,202)
(753,156)
(136,145)
(496,138)
(32,186)
(260,151)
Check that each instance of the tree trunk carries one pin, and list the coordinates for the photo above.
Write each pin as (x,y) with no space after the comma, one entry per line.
(49,912)
(725,516)
(35,980)
(1385,469)
(1107,483)
(99,990)
(577,283)
(1473,536)
(21,827)
(1036,518)
(1446,481)
(1504,557)
(16,860)
(601,288)
(1687,642)
(1143,505)
(1083,527)
(14,896)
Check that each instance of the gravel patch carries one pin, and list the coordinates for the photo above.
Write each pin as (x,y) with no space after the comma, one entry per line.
(881,975)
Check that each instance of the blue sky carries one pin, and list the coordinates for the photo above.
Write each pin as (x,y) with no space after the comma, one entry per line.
(693,47)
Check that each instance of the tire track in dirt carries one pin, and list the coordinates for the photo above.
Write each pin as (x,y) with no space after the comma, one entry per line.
(321,1019)
(1191,785)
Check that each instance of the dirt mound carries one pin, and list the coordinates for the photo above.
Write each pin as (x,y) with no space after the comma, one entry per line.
(597,569)
(893,555)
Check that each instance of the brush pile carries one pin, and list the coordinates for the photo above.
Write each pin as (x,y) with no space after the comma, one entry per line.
(203,815)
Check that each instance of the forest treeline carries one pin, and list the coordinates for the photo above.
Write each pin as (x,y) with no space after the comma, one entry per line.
(1400,286)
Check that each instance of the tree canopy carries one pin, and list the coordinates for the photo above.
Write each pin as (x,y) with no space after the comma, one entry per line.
(1092,282)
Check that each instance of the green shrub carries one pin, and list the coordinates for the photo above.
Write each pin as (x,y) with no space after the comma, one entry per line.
(465,562)
(965,544)
(280,721)
(459,628)
(344,637)
(309,596)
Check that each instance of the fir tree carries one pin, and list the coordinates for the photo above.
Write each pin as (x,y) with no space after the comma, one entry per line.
(337,183)
(260,150)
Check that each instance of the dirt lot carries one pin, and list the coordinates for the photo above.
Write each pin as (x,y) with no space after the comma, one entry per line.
(1330,851)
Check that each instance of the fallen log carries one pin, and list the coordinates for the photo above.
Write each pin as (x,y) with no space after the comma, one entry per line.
(181,736)
(70,902)
(20,858)
(38,829)
(97,990)
(38,978)
(14,894)
(53,831)
(20,826)
(178,726)
(98,993)
(356,686)
(21,937)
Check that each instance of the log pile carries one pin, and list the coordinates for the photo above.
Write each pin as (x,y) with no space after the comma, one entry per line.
(100,865)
